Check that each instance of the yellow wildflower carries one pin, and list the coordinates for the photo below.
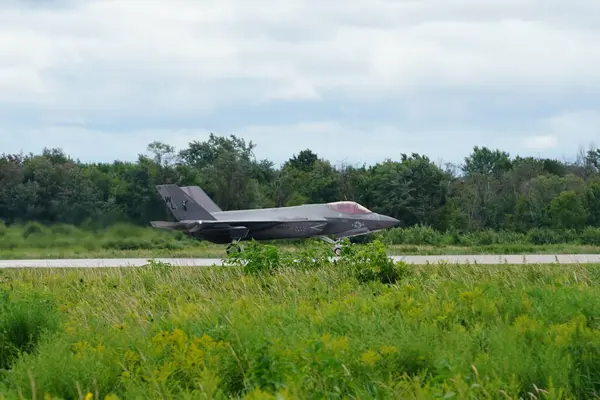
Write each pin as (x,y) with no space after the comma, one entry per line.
(370,358)
(389,350)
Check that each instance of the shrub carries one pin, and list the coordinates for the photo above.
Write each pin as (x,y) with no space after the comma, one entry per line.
(422,235)
(32,228)
(64,229)
(255,258)
(590,236)
(314,254)
(371,263)
(542,236)
(22,324)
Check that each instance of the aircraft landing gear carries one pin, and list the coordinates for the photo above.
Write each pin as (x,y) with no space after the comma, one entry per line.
(337,250)
(234,248)
(337,245)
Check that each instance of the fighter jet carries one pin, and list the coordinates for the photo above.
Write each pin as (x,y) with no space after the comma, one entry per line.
(198,216)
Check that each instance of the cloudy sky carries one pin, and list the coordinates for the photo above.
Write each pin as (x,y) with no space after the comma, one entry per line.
(356,81)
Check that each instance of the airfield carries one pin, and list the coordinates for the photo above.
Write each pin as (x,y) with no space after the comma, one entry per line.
(482,259)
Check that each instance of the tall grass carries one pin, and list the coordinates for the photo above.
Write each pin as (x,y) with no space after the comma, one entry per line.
(267,326)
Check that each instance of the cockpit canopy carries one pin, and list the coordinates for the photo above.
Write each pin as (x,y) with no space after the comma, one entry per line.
(349,207)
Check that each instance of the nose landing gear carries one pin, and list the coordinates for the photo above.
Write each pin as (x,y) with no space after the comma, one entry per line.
(337,245)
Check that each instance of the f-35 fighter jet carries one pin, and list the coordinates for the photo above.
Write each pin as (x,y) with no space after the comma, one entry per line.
(199,217)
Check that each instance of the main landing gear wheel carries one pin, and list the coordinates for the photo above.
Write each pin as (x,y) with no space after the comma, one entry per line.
(337,250)
(337,245)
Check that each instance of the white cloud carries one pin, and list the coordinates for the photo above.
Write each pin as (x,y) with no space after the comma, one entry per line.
(122,62)
(189,43)
(542,142)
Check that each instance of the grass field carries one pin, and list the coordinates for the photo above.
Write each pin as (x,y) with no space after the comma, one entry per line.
(121,241)
(266,327)
(215,251)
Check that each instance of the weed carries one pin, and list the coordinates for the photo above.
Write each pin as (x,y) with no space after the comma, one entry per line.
(268,327)
(371,263)
(23,321)
(256,258)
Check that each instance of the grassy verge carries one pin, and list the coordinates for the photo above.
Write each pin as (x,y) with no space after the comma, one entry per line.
(123,241)
(215,251)
(362,328)
(494,249)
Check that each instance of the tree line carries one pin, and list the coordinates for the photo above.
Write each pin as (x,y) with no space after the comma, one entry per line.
(489,190)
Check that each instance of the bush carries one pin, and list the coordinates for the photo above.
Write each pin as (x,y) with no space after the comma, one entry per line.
(33,228)
(541,236)
(64,229)
(315,254)
(255,258)
(371,263)
(423,235)
(591,236)
(22,324)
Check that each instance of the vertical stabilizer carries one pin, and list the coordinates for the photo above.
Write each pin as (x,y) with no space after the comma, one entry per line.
(200,197)
(182,206)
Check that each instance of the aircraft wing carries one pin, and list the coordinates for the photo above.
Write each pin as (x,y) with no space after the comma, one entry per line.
(221,225)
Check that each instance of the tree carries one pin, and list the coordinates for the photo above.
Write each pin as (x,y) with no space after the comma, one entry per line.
(593,202)
(485,171)
(567,211)
(304,161)
(492,192)
(164,154)
(228,170)
(486,162)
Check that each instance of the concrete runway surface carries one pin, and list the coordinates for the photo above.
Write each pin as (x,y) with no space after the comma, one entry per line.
(205,262)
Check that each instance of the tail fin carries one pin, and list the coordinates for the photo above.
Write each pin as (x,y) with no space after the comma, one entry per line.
(182,206)
(200,197)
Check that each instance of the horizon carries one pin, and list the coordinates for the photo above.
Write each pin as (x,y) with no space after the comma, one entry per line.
(439,162)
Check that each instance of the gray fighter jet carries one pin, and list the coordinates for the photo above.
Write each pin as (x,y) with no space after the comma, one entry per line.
(199,217)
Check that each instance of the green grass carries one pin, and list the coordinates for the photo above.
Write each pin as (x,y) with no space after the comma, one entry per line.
(122,241)
(216,251)
(494,249)
(362,328)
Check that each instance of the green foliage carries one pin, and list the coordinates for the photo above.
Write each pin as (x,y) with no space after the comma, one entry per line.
(593,202)
(124,240)
(568,211)
(371,263)
(494,192)
(359,327)
(426,236)
(23,322)
(33,228)
(255,258)
(484,161)
(590,236)
(544,236)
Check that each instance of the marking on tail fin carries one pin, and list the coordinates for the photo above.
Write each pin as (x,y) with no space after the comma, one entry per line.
(181,205)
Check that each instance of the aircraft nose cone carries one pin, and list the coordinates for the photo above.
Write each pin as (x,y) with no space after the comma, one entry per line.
(387,222)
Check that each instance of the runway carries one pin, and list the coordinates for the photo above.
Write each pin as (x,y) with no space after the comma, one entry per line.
(206,262)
